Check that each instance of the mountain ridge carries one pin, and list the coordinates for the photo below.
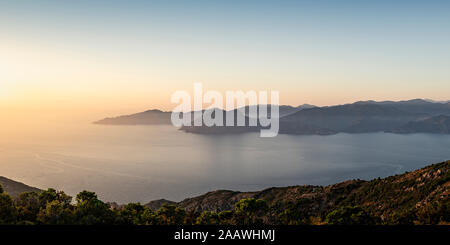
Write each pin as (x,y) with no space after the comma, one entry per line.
(358,117)
(437,124)
(389,198)
(15,188)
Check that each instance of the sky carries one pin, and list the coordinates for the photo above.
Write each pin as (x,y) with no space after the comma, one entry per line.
(112,57)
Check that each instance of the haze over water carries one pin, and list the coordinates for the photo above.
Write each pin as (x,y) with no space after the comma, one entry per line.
(143,163)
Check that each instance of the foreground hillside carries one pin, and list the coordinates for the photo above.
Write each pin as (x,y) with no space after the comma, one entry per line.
(394,199)
(14,188)
(419,197)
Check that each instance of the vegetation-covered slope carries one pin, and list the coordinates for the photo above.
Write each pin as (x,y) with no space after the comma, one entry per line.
(395,199)
(419,197)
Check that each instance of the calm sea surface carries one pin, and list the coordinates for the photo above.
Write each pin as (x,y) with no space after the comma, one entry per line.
(143,163)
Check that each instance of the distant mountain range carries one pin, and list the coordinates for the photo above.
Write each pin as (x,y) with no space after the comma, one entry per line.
(142,118)
(437,124)
(152,117)
(412,116)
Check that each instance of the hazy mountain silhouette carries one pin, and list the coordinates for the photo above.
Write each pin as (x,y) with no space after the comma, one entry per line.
(284,110)
(142,118)
(351,118)
(163,117)
(416,106)
(437,124)
(360,117)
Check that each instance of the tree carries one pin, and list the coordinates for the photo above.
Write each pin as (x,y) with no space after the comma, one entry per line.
(170,215)
(86,196)
(289,217)
(208,218)
(250,211)
(132,214)
(191,217)
(8,213)
(28,206)
(56,213)
(349,215)
(51,195)
(150,218)
(225,217)
(402,217)
(296,213)
(91,211)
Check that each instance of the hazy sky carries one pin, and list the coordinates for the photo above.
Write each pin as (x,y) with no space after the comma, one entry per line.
(126,56)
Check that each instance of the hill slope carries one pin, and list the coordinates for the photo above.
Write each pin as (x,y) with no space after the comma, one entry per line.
(14,188)
(387,199)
